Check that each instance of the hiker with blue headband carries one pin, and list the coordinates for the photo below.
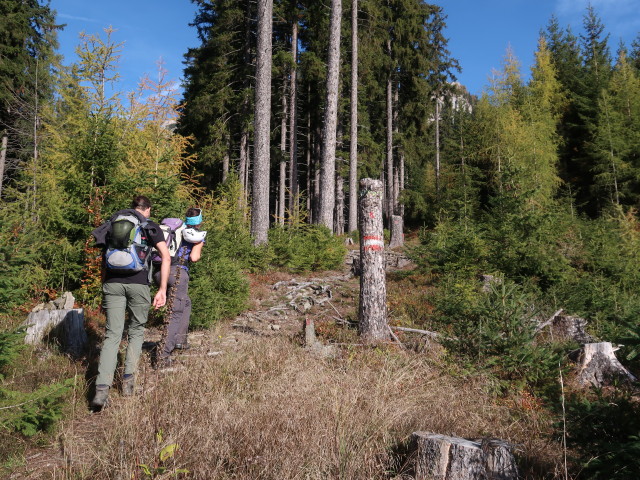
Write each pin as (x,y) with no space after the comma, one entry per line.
(189,250)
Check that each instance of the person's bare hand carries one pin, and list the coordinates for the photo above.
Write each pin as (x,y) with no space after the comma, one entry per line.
(160,299)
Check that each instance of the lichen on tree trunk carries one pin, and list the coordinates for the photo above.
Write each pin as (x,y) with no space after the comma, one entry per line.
(372,311)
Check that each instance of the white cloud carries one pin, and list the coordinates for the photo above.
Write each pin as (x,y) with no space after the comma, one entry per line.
(66,16)
(620,17)
(572,7)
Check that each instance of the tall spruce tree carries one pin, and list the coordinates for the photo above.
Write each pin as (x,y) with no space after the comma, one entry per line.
(567,61)
(328,163)
(634,54)
(597,72)
(262,122)
(218,98)
(27,43)
(353,122)
(616,140)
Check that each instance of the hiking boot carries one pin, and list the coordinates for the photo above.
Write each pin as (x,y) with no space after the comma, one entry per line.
(182,346)
(101,396)
(164,363)
(128,386)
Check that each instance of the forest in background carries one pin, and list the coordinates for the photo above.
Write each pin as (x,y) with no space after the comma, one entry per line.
(535,182)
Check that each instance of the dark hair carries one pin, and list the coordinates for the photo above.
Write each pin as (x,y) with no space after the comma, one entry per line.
(141,202)
(193,212)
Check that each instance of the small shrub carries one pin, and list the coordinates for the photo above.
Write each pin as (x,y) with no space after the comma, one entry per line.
(217,288)
(35,411)
(451,247)
(11,344)
(605,430)
(496,330)
(306,248)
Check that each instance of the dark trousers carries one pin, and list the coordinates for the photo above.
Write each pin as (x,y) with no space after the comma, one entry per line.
(180,312)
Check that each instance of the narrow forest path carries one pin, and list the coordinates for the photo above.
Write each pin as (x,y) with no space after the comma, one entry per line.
(280,303)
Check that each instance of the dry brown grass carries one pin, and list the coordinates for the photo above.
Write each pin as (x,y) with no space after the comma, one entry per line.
(272,410)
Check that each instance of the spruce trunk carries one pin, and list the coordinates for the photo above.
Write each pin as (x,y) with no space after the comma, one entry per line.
(437,147)
(338,227)
(225,162)
(260,191)
(372,311)
(397,235)
(353,147)
(3,159)
(293,125)
(389,152)
(328,166)
(282,181)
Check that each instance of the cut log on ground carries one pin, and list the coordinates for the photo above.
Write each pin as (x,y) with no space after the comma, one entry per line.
(450,458)
(599,366)
(66,327)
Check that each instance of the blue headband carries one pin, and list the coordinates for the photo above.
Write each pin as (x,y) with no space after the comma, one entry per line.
(194,220)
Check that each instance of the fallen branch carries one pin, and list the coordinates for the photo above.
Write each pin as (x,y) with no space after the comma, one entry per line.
(416,330)
(334,307)
(396,339)
(344,321)
(548,322)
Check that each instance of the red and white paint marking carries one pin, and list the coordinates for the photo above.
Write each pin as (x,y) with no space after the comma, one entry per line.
(373,242)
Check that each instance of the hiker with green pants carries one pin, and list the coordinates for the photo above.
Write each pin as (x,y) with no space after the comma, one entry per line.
(128,238)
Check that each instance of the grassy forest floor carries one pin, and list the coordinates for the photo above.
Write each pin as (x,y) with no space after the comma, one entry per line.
(248,400)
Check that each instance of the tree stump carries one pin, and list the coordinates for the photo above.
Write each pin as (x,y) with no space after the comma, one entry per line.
(397,235)
(65,327)
(372,311)
(600,367)
(571,327)
(440,457)
(488,281)
(309,332)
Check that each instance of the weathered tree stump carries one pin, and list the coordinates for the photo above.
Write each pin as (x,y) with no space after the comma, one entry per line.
(309,332)
(315,346)
(397,235)
(372,311)
(57,321)
(571,327)
(65,327)
(600,367)
(488,281)
(440,457)
(392,261)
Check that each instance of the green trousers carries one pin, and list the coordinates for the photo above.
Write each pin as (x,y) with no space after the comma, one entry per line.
(117,298)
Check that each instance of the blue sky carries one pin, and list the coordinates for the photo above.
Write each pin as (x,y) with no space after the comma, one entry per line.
(479,31)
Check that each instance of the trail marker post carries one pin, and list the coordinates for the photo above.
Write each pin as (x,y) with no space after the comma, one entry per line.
(372,311)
